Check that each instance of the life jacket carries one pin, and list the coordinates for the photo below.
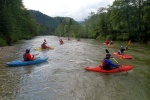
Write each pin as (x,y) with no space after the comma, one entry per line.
(61,41)
(25,58)
(105,66)
(103,63)
(43,46)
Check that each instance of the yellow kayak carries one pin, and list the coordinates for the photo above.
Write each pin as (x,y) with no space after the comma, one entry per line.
(39,48)
(111,45)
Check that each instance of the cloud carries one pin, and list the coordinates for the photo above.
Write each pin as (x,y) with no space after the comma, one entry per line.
(76,9)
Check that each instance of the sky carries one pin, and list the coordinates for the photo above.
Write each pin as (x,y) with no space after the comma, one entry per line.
(76,9)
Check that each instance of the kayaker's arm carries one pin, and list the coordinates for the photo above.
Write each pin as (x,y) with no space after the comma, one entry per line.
(108,62)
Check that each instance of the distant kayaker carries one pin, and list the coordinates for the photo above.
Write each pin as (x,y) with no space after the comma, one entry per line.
(107,42)
(78,39)
(44,46)
(27,56)
(111,42)
(107,64)
(61,41)
(122,49)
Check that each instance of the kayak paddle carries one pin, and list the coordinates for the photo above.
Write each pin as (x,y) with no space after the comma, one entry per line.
(128,44)
(60,40)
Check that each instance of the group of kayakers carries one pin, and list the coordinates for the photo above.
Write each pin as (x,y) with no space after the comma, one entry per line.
(28,57)
(106,62)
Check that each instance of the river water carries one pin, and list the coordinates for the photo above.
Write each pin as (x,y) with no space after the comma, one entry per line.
(63,76)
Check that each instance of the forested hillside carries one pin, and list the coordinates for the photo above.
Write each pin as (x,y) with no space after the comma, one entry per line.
(15,22)
(62,26)
(124,20)
(50,23)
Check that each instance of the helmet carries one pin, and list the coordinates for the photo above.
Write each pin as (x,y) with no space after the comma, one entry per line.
(27,50)
(44,42)
(121,46)
(108,56)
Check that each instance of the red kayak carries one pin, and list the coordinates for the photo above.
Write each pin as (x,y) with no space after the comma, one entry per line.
(105,43)
(124,56)
(121,68)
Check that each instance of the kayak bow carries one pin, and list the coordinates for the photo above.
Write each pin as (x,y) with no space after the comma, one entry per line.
(124,56)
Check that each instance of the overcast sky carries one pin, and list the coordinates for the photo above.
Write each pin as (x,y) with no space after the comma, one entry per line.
(76,9)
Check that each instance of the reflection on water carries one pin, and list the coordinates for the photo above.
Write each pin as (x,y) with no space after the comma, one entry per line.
(63,76)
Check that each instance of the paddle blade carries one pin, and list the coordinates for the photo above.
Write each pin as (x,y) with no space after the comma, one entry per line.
(129,42)
(107,51)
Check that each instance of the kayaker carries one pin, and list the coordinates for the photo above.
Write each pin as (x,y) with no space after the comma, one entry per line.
(78,39)
(111,43)
(122,49)
(44,46)
(107,64)
(61,41)
(107,42)
(27,56)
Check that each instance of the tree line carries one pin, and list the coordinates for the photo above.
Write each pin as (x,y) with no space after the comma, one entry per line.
(15,22)
(123,20)
(62,26)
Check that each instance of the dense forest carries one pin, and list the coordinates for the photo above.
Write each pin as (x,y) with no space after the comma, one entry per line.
(123,20)
(61,26)
(15,22)
(54,25)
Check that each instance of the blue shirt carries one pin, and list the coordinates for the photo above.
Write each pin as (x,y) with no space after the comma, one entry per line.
(109,63)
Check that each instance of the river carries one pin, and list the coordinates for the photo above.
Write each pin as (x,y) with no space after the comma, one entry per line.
(63,76)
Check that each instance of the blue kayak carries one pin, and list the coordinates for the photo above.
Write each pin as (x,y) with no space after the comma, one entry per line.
(25,63)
